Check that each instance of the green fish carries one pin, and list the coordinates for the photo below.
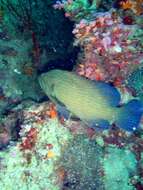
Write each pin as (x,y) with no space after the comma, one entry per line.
(95,103)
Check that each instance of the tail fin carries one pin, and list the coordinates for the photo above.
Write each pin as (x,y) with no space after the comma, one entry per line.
(129,115)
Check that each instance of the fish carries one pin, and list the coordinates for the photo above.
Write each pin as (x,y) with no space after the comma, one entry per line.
(95,103)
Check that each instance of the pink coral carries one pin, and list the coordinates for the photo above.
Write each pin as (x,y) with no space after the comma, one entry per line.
(107,53)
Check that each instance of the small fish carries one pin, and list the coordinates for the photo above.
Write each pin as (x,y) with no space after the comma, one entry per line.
(95,103)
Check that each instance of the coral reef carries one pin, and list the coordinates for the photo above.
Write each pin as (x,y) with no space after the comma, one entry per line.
(108,51)
(40,149)
(77,9)
(110,42)
(66,153)
(37,152)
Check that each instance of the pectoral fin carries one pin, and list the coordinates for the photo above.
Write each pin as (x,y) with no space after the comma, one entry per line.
(63,111)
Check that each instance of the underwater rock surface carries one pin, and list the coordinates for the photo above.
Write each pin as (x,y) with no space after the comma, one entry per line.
(82,161)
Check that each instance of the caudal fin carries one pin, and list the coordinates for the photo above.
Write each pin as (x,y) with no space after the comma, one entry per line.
(129,115)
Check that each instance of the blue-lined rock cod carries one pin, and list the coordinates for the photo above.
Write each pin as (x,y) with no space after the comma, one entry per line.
(95,103)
